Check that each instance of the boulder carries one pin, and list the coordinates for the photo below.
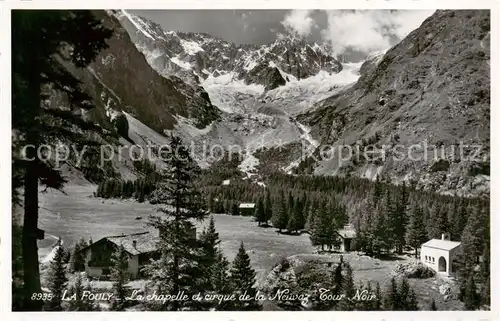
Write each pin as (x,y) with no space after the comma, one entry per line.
(413,269)
(445,289)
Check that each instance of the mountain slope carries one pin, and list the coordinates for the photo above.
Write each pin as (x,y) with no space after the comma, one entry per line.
(125,88)
(136,88)
(432,88)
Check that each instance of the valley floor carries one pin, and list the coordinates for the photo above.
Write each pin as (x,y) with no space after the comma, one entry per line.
(78,214)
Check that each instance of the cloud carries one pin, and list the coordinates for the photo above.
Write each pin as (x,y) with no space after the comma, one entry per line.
(370,30)
(299,22)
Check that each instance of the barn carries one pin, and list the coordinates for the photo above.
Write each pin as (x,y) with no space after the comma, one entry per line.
(347,234)
(247,208)
(440,255)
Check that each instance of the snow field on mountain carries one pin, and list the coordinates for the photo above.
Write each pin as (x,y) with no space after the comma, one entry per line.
(191,47)
(229,93)
(297,96)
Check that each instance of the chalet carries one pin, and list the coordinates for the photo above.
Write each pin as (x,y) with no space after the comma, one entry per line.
(440,255)
(226,182)
(347,234)
(247,208)
(140,247)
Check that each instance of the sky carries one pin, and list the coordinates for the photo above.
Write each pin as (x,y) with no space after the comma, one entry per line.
(347,31)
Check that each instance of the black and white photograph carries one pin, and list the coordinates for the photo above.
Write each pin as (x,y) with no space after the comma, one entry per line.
(250,160)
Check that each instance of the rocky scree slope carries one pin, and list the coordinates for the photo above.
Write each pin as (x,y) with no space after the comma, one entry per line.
(432,88)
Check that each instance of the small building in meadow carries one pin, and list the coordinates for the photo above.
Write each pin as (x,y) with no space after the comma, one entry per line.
(347,234)
(140,247)
(226,182)
(247,208)
(440,255)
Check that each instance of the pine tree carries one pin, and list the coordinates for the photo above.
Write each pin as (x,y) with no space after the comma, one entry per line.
(398,219)
(268,207)
(81,303)
(310,214)
(412,304)
(380,233)
(57,279)
(37,39)
(349,290)
(260,213)
(377,304)
(243,281)
(221,284)
(295,221)
(404,295)
(473,243)
(338,277)
(438,221)
(323,228)
(471,297)
(365,229)
(214,266)
(180,202)
(459,220)
(119,275)
(280,215)
(77,260)
(235,210)
(416,234)
(391,297)
(485,276)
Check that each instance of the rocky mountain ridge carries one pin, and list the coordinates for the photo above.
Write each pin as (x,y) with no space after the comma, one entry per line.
(196,56)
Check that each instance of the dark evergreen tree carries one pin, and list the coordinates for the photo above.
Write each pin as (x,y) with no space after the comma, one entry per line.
(349,290)
(119,276)
(235,210)
(404,290)
(57,279)
(81,302)
(323,229)
(398,219)
(214,267)
(181,204)
(221,284)
(416,234)
(296,219)
(280,215)
(260,213)
(39,37)
(473,243)
(268,207)
(380,233)
(471,297)
(391,297)
(243,282)
(458,220)
(412,303)
(377,304)
(77,259)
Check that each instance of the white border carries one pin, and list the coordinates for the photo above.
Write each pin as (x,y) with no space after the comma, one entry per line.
(5,153)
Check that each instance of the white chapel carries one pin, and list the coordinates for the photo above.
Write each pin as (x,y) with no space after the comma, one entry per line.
(439,255)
